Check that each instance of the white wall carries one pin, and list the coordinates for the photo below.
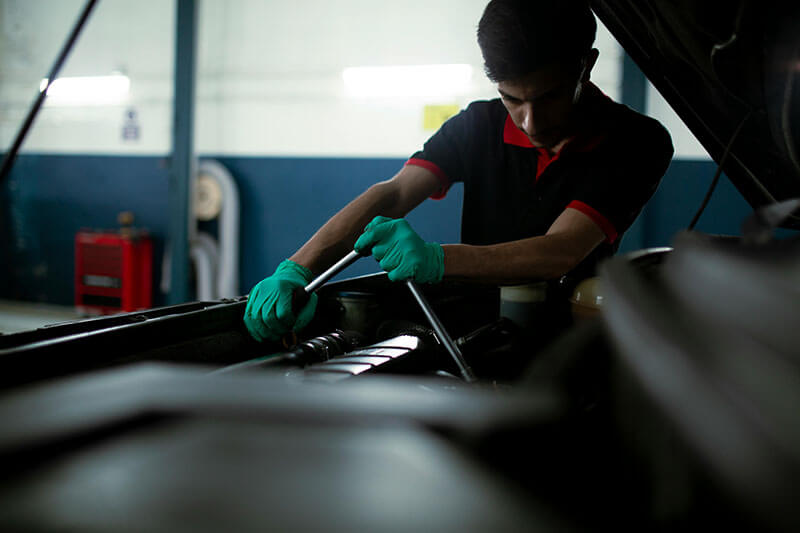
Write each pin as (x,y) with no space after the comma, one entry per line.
(135,37)
(686,144)
(269,73)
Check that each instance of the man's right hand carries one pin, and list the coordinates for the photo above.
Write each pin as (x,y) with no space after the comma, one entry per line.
(269,314)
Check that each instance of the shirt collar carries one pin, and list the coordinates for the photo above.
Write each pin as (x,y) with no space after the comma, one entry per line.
(513,135)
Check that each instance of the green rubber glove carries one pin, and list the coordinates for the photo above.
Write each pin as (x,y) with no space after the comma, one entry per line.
(269,315)
(401,252)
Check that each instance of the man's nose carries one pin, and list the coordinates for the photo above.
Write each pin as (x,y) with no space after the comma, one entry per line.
(527,122)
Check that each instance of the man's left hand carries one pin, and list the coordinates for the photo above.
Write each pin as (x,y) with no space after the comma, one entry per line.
(401,252)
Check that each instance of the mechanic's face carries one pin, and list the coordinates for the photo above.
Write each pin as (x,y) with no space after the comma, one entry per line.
(543,104)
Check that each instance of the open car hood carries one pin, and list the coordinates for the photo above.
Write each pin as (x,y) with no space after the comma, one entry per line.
(719,63)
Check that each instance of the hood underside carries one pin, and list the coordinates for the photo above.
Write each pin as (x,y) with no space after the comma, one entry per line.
(723,65)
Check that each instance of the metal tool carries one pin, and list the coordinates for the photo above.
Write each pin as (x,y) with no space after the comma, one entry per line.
(300,296)
(340,265)
(450,346)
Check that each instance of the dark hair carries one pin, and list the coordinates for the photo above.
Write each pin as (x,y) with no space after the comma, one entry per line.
(518,37)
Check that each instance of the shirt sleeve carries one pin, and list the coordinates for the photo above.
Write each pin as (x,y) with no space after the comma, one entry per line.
(445,153)
(624,177)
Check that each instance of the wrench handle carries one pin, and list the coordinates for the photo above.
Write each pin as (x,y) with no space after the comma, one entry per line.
(444,338)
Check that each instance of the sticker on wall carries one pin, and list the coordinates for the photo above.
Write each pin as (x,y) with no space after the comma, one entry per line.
(436,115)
(130,127)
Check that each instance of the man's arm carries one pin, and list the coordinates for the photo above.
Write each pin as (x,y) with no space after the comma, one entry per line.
(391,198)
(571,237)
(270,311)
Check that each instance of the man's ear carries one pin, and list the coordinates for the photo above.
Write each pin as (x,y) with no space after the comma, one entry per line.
(591,60)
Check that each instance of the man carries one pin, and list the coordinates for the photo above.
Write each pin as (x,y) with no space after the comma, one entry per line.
(554,172)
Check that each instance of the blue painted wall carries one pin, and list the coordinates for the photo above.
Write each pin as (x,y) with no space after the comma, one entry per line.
(48,198)
(677,199)
(285,200)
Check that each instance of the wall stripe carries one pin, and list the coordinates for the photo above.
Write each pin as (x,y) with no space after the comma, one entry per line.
(48,198)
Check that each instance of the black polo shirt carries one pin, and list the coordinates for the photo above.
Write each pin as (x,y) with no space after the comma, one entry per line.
(513,190)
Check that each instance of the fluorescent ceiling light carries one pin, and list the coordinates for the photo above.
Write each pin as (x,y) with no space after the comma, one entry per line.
(420,80)
(88,90)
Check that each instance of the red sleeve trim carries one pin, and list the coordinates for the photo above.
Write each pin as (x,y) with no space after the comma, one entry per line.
(607,227)
(433,167)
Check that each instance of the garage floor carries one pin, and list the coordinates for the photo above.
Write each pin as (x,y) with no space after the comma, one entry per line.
(22,316)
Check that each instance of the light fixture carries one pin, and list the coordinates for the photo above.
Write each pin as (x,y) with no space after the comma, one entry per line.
(88,90)
(407,81)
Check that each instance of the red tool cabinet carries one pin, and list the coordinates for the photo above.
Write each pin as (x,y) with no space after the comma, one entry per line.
(113,271)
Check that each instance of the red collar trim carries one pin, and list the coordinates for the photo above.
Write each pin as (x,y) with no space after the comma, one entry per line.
(513,135)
